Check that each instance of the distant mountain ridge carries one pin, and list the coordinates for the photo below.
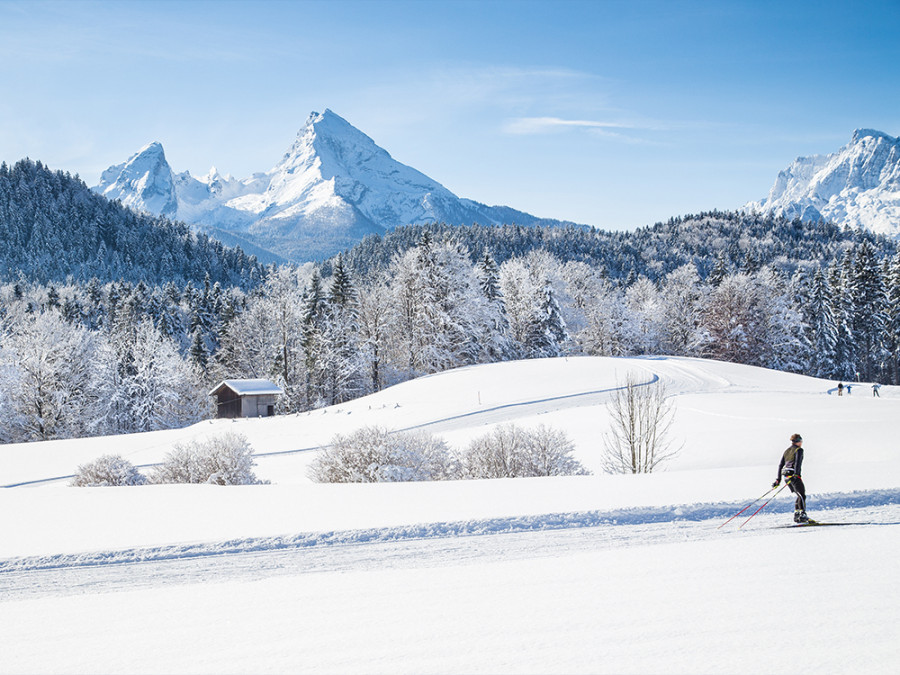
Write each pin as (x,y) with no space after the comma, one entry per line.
(333,187)
(859,185)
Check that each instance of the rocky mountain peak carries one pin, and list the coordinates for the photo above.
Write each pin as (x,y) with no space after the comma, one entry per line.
(858,185)
(860,134)
(144,182)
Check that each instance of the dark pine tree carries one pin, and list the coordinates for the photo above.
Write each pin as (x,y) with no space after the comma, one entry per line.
(868,312)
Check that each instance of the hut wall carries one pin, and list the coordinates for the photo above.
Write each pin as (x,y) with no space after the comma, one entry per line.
(228,404)
(258,406)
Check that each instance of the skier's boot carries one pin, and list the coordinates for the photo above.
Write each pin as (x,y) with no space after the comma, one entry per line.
(797,515)
(801,517)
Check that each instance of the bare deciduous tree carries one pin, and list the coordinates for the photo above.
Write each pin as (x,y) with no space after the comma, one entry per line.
(641,418)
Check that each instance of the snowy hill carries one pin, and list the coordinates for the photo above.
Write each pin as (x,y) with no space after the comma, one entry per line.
(332,187)
(572,574)
(859,185)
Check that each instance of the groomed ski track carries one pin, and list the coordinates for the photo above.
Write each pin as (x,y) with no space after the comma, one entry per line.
(425,545)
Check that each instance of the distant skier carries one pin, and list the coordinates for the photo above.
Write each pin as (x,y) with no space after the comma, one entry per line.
(875,388)
(840,388)
(789,467)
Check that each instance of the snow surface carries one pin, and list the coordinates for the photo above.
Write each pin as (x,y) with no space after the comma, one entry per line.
(859,185)
(600,574)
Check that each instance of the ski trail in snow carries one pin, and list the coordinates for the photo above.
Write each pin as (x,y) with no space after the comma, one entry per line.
(500,413)
(424,545)
(496,414)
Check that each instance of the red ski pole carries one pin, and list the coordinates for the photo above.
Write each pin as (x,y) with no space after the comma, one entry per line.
(746,507)
(764,504)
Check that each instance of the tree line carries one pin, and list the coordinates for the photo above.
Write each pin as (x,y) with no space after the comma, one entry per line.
(113,322)
(81,359)
(709,240)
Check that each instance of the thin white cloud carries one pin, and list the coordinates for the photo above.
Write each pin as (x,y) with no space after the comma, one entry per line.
(543,125)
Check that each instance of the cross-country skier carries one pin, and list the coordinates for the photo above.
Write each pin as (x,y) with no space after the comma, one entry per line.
(789,467)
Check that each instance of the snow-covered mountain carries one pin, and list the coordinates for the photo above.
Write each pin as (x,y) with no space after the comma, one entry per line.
(331,188)
(144,183)
(859,185)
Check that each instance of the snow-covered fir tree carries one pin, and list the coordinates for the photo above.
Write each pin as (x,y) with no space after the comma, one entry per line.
(892,340)
(867,300)
(343,363)
(823,328)
(491,321)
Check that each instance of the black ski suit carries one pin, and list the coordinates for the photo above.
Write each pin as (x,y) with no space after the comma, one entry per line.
(791,463)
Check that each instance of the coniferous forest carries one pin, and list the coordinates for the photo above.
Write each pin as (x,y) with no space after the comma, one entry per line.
(113,322)
(53,228)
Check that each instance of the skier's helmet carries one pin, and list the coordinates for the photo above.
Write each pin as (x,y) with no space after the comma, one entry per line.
(796,438)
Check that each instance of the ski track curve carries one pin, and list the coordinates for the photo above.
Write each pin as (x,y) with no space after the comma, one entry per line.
(681,379)
(423,545)
(494,415)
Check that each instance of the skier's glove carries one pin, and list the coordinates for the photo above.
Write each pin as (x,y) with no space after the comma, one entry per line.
(776,483)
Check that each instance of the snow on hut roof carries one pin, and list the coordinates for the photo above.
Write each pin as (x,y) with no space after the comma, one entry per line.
(248,387)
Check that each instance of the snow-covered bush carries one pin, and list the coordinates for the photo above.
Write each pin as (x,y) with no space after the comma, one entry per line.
(107,471)
(376,455)
(549,453)
(226,459)
(512,452)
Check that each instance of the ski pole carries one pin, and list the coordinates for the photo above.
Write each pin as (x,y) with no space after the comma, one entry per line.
(764,504)
(746,507)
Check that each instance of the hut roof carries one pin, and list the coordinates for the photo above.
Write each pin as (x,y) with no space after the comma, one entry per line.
(248,387)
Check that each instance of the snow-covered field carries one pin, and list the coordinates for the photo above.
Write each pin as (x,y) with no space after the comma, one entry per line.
(617,574)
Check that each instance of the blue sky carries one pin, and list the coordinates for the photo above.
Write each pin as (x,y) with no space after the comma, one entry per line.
(614,114)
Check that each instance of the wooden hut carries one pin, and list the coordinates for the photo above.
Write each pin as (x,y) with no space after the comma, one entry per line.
(245,398)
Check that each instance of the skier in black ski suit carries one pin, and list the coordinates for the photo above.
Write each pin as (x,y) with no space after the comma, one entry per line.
(789,467)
